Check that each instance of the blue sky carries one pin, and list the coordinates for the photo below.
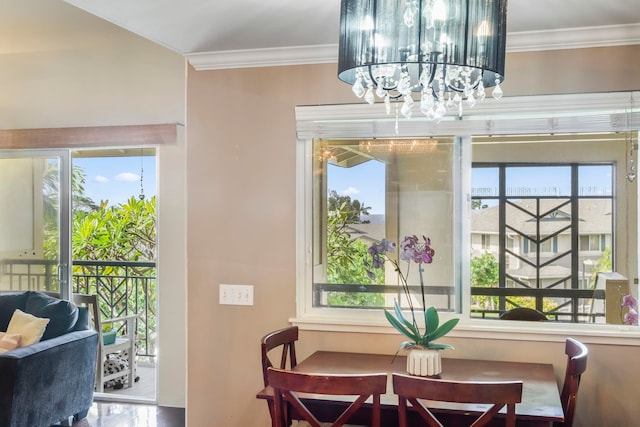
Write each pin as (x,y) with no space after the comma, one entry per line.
(365,182)
(117,178)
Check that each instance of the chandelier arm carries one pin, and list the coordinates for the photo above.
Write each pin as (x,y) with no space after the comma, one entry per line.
(385,88)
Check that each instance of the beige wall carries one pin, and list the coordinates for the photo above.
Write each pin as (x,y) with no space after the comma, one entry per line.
(241,176)
(116,78)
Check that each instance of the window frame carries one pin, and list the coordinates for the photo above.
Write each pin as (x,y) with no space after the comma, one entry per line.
(583,113)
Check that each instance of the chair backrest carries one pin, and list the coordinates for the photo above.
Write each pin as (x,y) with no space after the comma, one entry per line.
(498,394)
(576,364)
(523,313)
(288,384)
(91,302)
(285,338)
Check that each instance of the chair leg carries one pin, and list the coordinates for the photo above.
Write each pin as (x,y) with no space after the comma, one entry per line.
(100,376)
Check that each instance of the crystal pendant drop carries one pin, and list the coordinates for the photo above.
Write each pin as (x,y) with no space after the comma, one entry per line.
(409,16)
(387,103)
(357,88)
(369,96)
(471,100)
(406,107)
(440,111)
(497,91)
(449,103)
(480,93)
(426,103)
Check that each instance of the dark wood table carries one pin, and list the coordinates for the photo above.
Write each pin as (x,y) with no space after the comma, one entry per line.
(540,404)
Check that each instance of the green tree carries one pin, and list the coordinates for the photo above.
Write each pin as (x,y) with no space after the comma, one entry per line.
(484,273)
(125,232)
(51,203)
(354,209)
(345,259)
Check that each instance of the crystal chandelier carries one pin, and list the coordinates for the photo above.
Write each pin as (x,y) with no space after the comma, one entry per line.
(448,50)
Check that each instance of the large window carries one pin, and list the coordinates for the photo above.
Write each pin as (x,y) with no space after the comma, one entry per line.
(550,184)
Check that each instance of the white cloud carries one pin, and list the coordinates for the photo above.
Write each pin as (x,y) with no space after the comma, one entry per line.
(350,191)
(101,179)
(127,176)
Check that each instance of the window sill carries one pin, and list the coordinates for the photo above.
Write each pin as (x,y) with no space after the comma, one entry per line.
(492,330)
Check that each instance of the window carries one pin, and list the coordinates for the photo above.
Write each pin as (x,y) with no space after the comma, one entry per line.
(594,242)
(486,242)
(367,190)
(430,191)
(546,208)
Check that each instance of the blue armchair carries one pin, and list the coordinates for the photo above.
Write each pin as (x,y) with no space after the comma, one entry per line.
(52,380)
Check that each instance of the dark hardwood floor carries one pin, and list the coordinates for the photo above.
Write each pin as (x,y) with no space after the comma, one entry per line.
(118,414)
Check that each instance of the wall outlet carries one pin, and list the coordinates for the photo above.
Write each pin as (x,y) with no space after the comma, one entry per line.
(236,294)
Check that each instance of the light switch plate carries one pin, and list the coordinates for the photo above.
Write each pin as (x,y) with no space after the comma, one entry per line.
(236,294)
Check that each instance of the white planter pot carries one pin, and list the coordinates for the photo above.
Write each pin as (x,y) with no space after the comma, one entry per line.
(424,363)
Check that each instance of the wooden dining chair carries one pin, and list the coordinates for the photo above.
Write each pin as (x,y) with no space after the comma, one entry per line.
(288,384)
(498,394)
(282,342)
(576,365)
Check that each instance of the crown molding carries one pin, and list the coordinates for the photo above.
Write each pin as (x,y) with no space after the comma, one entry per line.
(271,57)
(573,38)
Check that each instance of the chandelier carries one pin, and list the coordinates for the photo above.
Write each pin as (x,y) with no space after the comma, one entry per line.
(448,50)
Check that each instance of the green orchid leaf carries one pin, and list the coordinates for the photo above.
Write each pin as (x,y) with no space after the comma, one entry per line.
(439,346)
(407,324)
(431,321)
(398,326)
(444,329)
(407,344)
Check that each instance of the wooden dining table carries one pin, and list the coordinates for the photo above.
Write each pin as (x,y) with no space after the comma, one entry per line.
(540,404)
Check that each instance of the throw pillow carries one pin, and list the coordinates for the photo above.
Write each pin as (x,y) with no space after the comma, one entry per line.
(62,314)
(30,327)
(9,342)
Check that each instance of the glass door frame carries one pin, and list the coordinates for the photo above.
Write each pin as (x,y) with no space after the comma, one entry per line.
(64,213)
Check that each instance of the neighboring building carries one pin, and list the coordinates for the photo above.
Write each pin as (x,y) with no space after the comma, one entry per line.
(521,228)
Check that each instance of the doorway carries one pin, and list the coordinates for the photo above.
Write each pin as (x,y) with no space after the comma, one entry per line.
(113,236)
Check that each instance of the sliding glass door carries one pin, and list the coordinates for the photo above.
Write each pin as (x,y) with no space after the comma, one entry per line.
(34,220)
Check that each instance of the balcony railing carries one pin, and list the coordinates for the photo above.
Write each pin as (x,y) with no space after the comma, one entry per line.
(570,305)
(123,288)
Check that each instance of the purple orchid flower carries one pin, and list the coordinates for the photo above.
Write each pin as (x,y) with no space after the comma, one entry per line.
(630,301)
(631,317)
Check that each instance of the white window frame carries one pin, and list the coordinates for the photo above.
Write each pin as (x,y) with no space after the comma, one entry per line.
(577,113)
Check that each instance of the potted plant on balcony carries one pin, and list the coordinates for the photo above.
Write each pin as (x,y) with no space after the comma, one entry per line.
(424,355)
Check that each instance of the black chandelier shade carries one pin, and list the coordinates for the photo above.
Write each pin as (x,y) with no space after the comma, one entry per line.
(437,47)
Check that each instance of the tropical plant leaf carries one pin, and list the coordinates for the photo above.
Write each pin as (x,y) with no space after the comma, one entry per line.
(431,321)
(400,317)
(398,326)
(439,346)
(444,329)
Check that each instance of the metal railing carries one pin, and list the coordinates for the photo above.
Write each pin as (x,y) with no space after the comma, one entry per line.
(123,288)
(442,297)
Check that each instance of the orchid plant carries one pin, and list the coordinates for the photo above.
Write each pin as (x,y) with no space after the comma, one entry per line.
(412,249)
(631,316)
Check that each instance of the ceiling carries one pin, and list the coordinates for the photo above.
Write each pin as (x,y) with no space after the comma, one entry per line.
(253,27)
